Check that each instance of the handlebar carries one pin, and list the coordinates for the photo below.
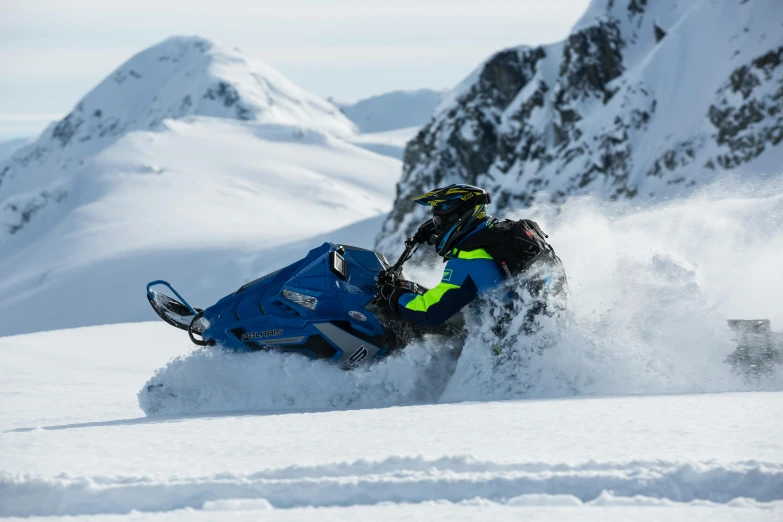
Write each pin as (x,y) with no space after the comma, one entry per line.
(410,248)
(395,270)
(423,235)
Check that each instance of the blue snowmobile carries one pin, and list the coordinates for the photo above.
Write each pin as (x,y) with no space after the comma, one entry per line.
(322,306)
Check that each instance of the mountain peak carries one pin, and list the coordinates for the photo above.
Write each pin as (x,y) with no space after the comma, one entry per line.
(179,78)
(192,76)
(181,40)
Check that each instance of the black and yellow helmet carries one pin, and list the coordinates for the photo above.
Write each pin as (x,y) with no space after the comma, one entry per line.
(456,211)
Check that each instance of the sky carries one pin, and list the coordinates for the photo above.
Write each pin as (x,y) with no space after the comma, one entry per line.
(52,51)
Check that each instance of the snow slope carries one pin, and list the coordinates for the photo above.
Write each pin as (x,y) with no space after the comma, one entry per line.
(387,122)
(73,443)
(390,143)
(392,110)
(135,185)
(642,101)
(8,147)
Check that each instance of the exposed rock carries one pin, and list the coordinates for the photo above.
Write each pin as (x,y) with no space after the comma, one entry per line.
(746,127)
(659,33)
(66,128)
(24,210)
(591,59)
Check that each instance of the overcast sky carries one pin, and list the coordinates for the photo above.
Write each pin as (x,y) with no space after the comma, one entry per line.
(53,51)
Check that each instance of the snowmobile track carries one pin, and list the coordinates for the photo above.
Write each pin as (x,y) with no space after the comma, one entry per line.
(404,480)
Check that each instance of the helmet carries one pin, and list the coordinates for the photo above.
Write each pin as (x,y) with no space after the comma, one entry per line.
(456,211)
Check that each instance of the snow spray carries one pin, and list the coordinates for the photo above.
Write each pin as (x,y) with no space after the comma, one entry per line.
(651,288)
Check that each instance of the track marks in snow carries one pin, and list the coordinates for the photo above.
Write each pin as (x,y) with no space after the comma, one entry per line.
(405,480)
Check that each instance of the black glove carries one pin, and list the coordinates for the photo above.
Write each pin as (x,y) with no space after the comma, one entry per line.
(389,290)
(383,293)
(384,286)
(425,232)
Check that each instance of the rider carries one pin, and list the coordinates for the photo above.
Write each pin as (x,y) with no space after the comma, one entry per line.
(480,252)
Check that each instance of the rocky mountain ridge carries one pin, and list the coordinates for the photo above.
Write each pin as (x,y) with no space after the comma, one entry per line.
(642,100)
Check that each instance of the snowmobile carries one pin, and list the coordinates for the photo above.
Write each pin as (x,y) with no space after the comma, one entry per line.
(322,306)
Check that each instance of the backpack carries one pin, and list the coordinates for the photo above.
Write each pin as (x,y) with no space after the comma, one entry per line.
(514,245)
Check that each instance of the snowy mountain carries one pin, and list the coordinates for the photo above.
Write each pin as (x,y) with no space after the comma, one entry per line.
(186,158)
(643,100)
(8,147)
(179,78)
(392,110)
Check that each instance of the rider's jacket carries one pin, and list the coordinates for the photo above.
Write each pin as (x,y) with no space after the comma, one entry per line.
(467,273)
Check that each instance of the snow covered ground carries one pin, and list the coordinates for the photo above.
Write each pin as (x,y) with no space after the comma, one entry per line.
(74,442)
